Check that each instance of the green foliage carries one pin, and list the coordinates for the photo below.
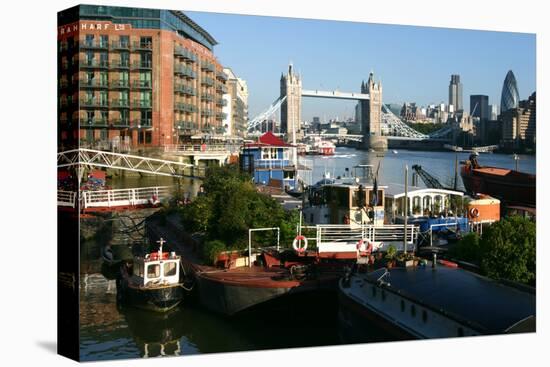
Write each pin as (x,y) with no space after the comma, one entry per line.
(391,252)
(467,249)
(231,206)
(212,249)
(425,128)
(507,250)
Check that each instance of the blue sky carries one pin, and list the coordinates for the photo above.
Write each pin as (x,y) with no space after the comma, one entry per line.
(413,63)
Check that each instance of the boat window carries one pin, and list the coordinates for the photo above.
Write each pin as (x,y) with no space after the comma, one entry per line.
(402,306)
(289,175)
(413,311)
(153,271)
(374,291)
(460,331)
(424,316)
(379,197)
(170,269)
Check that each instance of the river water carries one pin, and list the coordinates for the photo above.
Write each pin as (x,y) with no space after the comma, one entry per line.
(109,331)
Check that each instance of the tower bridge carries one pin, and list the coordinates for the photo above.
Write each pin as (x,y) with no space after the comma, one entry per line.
(376,118)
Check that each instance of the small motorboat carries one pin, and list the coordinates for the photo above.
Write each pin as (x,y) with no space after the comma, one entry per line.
(152,282)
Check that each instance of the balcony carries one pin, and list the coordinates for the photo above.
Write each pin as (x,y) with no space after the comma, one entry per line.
(208,66)
(119,84)
(119,103)
(221,88)
(207,97)
(141,65)
(185,125)
(63,83)
(119,123)
(63,46)
(91,84)
(184,89)
(93,103)
(119,64)
(207,113)
(221,102)
(207,81)
(142,84)
(184,54)
(221,76)
(141,123)
(184,107)
(94,64)
(117,45)
(94,122)
(93,45)
(141,103)
(184,70)
(221,115)
(142,46)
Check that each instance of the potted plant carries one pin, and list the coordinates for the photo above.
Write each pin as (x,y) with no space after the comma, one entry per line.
(391,253)
(406,260)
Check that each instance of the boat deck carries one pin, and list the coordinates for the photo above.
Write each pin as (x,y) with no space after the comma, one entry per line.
(464,295)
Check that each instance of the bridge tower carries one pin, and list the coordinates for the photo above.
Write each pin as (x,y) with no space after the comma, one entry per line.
(291,109)
(371,116)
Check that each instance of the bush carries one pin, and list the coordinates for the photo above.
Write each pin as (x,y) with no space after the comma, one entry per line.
(467,249)
(212,249)
(507,250)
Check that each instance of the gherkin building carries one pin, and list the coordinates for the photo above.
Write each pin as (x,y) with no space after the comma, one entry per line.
(510,96)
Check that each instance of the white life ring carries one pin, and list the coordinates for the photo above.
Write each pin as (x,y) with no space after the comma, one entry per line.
(474,212)
(295,243)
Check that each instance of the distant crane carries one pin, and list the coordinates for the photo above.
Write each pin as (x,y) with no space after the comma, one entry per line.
(428,179)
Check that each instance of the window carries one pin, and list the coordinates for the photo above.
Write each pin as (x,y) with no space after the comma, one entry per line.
(103,40)
(148,137)
(104,78)
(124,41)
(124,58)
(103,134)
(288,175)
(145,42)
(402,306)
(413,311)
(104,58)
(146,60)
(424,316)
(170,269)
(103,97)
(269,153)
(89,39)
(153,271)
(373,291)
(89,57)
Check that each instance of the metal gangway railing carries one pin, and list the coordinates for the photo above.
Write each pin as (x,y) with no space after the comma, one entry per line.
(346,234)
(124,197)
(135,163)
(66,198)
(202,148)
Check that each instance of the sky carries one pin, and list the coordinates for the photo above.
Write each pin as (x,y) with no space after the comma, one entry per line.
(413,63)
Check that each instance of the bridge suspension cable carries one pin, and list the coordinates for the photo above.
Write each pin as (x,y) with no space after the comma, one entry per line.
(252,124)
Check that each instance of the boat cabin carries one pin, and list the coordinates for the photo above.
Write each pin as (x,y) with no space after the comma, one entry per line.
(345,201)
(157,268)
(270,162)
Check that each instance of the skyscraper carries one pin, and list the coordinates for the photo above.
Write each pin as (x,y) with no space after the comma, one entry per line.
(479,106)
(455,92)
(510,95)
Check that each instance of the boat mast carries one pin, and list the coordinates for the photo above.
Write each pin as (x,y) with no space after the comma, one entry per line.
(161,242)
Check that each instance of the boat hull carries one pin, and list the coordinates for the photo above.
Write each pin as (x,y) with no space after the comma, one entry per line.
(158,299)
(232,296)
(358,324)
(513,187)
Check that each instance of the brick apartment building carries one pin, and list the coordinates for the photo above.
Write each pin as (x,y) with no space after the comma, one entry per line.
(136,77)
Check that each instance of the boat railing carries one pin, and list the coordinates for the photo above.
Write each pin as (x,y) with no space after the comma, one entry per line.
(124,197)
(345,233)
(66,198)
(204,148)
(252,230)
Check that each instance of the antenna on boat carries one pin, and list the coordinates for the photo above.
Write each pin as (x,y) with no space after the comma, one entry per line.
(161,242)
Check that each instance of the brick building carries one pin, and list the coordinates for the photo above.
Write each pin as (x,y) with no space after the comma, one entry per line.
(135,77)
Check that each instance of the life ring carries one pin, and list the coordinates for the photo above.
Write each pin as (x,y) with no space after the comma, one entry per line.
(295,243)
(474,212)
(360,244)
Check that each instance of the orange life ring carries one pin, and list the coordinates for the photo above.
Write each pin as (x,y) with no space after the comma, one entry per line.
(360,244)
(295,243)
(474,212)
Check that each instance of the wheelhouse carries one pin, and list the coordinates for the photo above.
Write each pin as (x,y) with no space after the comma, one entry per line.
(153,269)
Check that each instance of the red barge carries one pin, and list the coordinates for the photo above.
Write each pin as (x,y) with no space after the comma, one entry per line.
(510,186)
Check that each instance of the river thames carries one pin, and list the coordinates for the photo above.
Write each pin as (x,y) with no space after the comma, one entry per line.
(111,332)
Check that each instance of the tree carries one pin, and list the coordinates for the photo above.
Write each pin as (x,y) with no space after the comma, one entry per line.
(508,250)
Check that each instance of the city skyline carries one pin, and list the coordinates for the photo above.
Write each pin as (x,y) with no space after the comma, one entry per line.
(402,57)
